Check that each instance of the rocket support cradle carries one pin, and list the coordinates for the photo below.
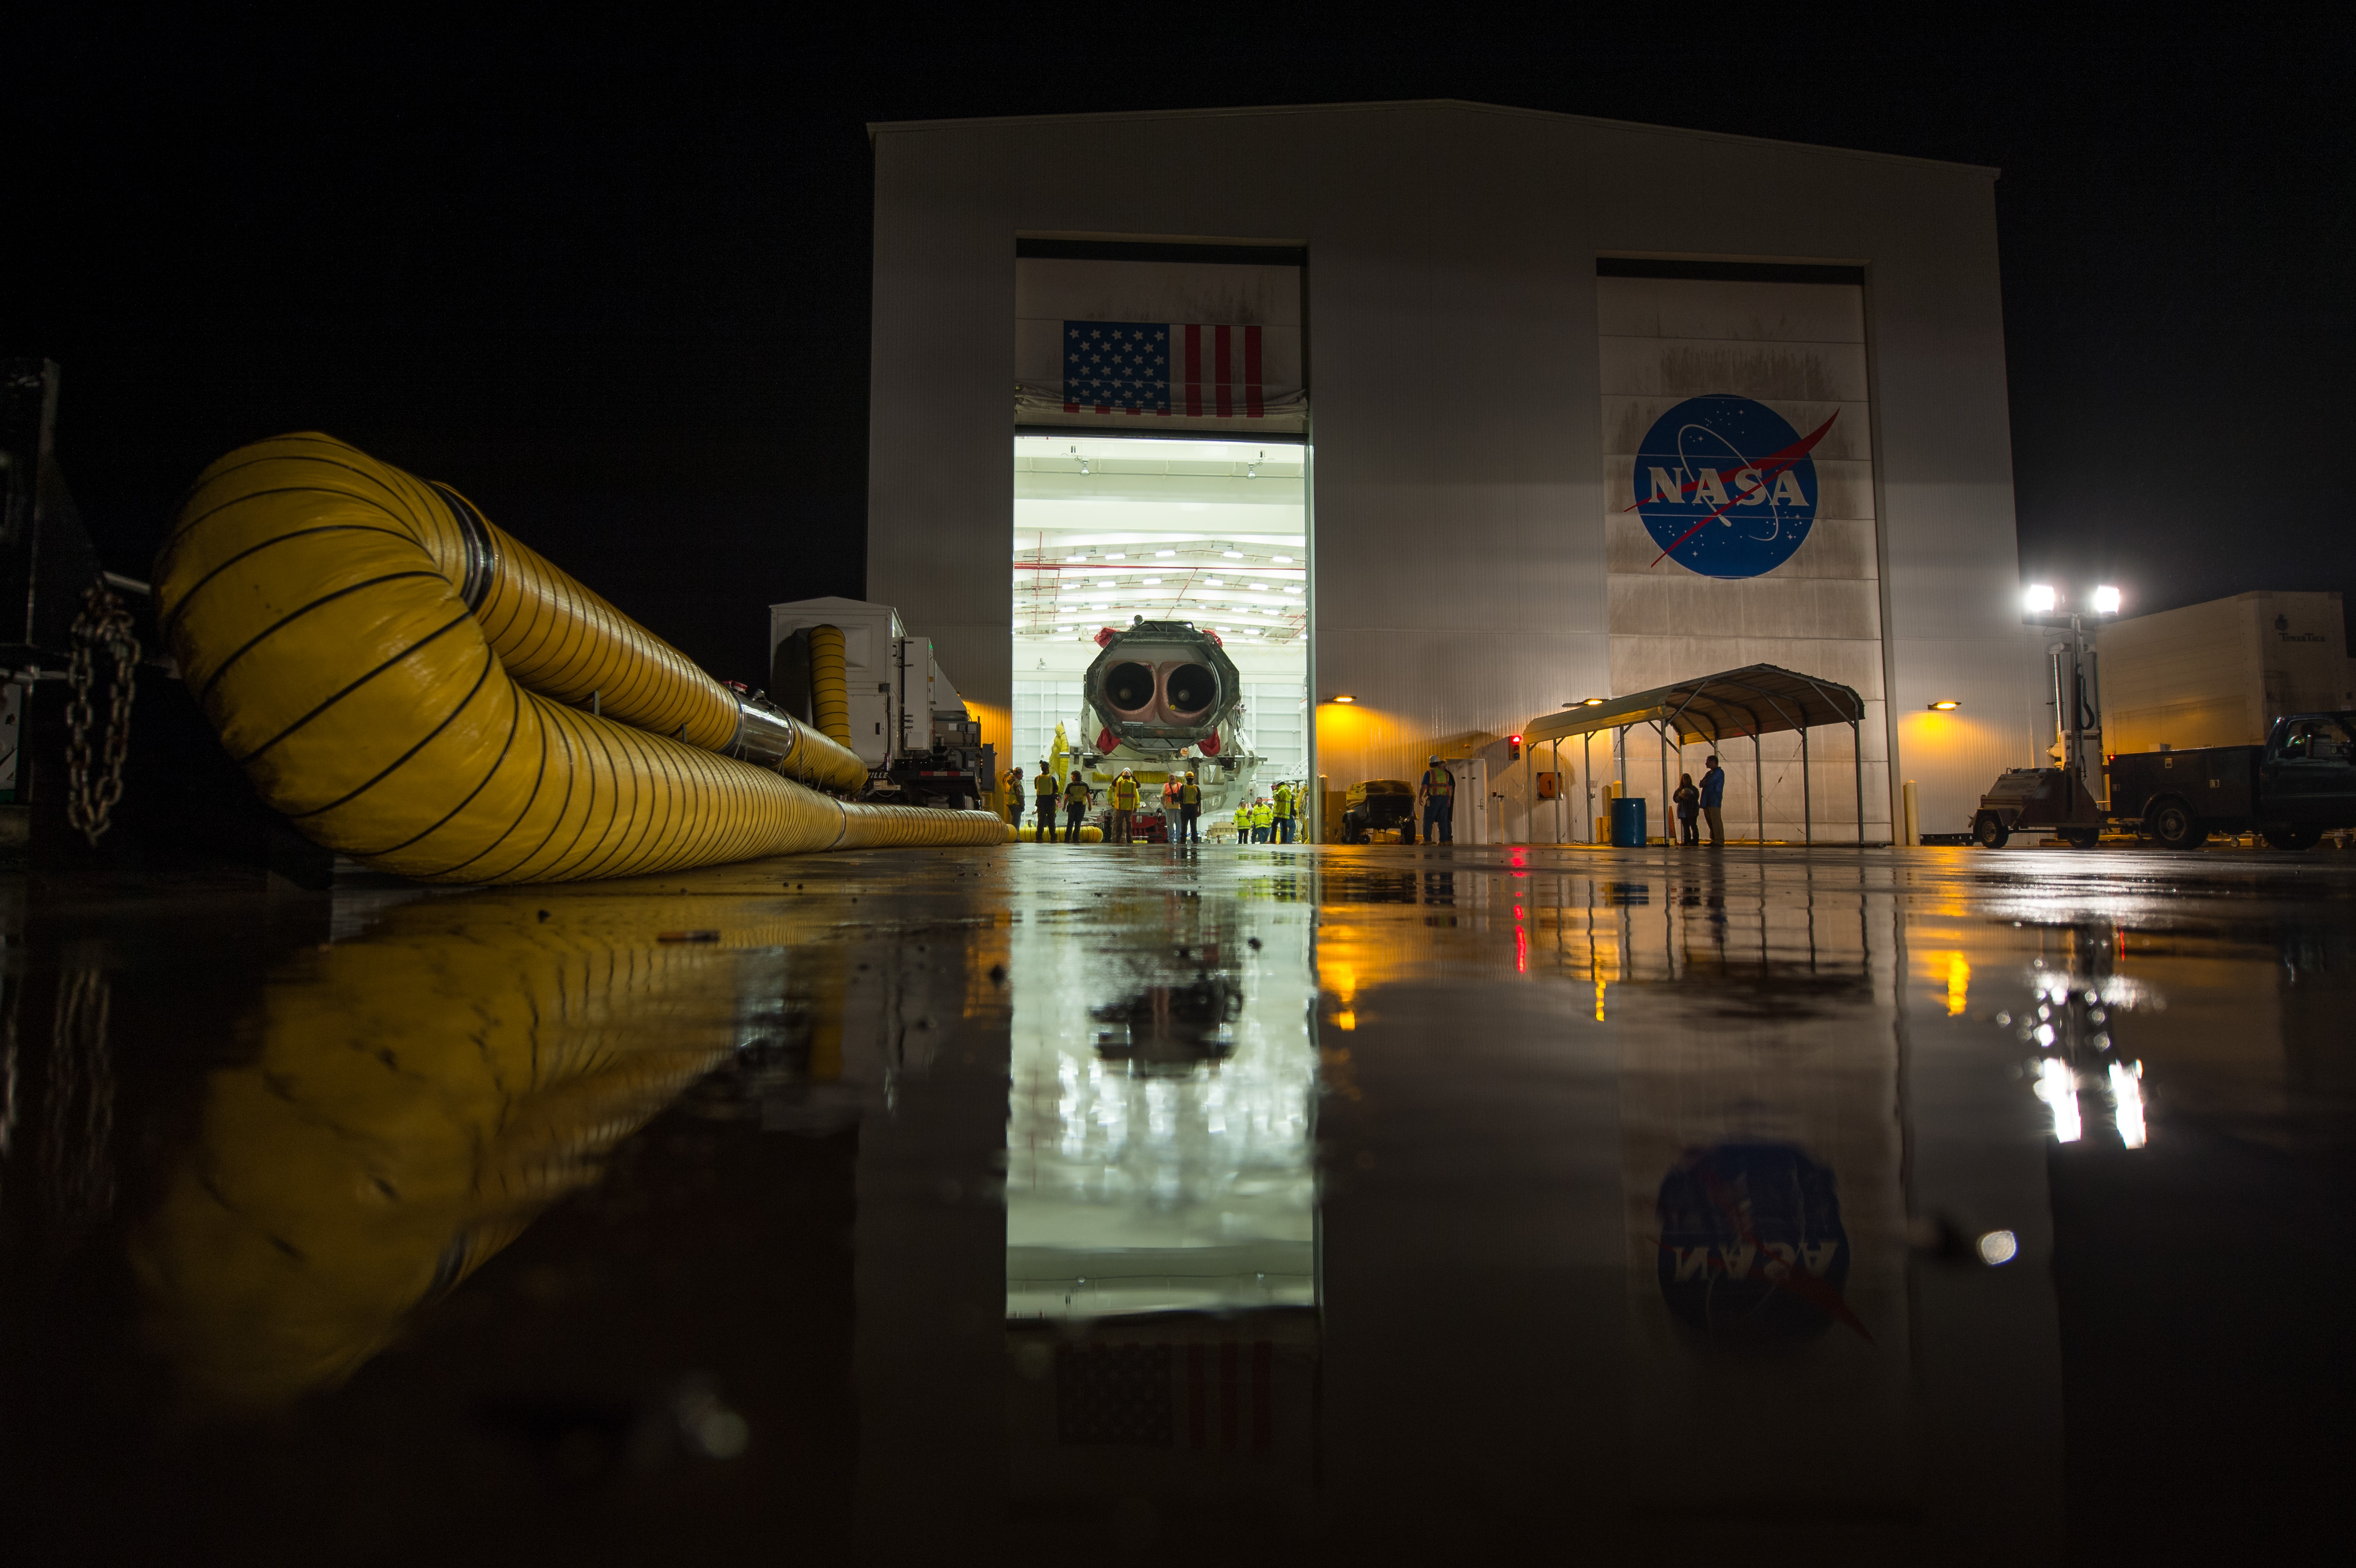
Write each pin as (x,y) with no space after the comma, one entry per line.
(399,677)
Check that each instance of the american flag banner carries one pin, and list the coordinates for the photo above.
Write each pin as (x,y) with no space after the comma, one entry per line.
(1193,369)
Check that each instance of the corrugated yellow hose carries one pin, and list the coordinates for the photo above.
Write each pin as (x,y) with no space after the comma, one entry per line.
(396,674)
(830,684)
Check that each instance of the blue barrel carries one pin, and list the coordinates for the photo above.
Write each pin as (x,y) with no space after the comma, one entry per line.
(1628,824)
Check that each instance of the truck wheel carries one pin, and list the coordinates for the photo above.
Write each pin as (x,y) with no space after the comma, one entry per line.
(2081,837)
(1989,832)
(1362,836)
(2294,838)
(2173,824)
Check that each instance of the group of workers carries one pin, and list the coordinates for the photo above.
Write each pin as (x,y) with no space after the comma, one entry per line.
(1269,819)
(1182,805)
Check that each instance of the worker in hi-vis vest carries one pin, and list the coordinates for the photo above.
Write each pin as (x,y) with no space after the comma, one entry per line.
(1438,793)
(1190,811)
(1263,820)
(1283,813)
(1047,796)
(1124,806)
(1014,795)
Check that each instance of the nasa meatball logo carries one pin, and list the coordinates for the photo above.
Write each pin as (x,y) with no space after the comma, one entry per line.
(1726,486)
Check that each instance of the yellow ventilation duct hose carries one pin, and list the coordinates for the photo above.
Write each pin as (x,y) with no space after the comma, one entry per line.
(830,684)
(395,675)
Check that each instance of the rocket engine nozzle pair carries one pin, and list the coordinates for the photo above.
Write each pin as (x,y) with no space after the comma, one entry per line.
(1163,686)
(1164,691)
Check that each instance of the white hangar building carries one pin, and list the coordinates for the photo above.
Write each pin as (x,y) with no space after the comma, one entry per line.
(1463,415)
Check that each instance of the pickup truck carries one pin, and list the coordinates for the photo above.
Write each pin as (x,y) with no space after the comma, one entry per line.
(2296,787)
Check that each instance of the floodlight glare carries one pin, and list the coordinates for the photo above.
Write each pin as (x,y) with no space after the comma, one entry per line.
(2106,600)
(2039,599)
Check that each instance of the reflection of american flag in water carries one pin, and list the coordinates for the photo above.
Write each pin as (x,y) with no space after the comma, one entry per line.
(1122,1395)
(1162,368)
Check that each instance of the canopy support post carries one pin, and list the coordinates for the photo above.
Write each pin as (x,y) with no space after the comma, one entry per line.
(1661,730)
(1807,810)
(1558,791)
(1587,771)
(1857,749)
(1758,788)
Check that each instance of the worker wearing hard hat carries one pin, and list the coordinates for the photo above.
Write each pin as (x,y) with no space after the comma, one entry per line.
(1047,796)
(1124,806)
(1190,809)
(1283,808)
(1014,782)
(1438,792)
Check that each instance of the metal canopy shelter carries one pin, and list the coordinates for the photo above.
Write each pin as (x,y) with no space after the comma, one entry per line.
(1757,699)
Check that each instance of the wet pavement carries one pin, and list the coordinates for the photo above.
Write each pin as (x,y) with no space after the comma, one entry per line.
(1125,1205)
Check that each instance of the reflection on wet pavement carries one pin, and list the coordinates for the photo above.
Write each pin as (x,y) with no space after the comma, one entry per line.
(1903,1206)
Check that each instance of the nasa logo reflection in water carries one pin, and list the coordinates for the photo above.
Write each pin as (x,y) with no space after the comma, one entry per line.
(1752,1252)
(1725,487)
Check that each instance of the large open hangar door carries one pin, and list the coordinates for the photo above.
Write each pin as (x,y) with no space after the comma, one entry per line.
(1160,476)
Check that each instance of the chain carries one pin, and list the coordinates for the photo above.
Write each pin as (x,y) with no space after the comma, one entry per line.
(91,793)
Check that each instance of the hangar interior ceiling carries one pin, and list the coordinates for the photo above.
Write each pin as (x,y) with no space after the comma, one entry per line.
(1110,528)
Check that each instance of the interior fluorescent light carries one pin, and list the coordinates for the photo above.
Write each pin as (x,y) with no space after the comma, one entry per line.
(1292,589)
(1164,554)
(1233,554)
(1284,560)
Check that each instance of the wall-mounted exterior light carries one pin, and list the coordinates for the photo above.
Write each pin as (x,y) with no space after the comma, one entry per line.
(1945,705)
(1345,697)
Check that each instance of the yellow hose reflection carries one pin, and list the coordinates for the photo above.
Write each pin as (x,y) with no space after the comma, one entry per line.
(417,1096)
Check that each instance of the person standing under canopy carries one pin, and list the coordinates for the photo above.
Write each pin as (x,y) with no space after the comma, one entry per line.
(1713,797)
(1437,790)
(1687,801)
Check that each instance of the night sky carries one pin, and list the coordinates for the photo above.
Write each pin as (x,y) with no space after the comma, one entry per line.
(613,281)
